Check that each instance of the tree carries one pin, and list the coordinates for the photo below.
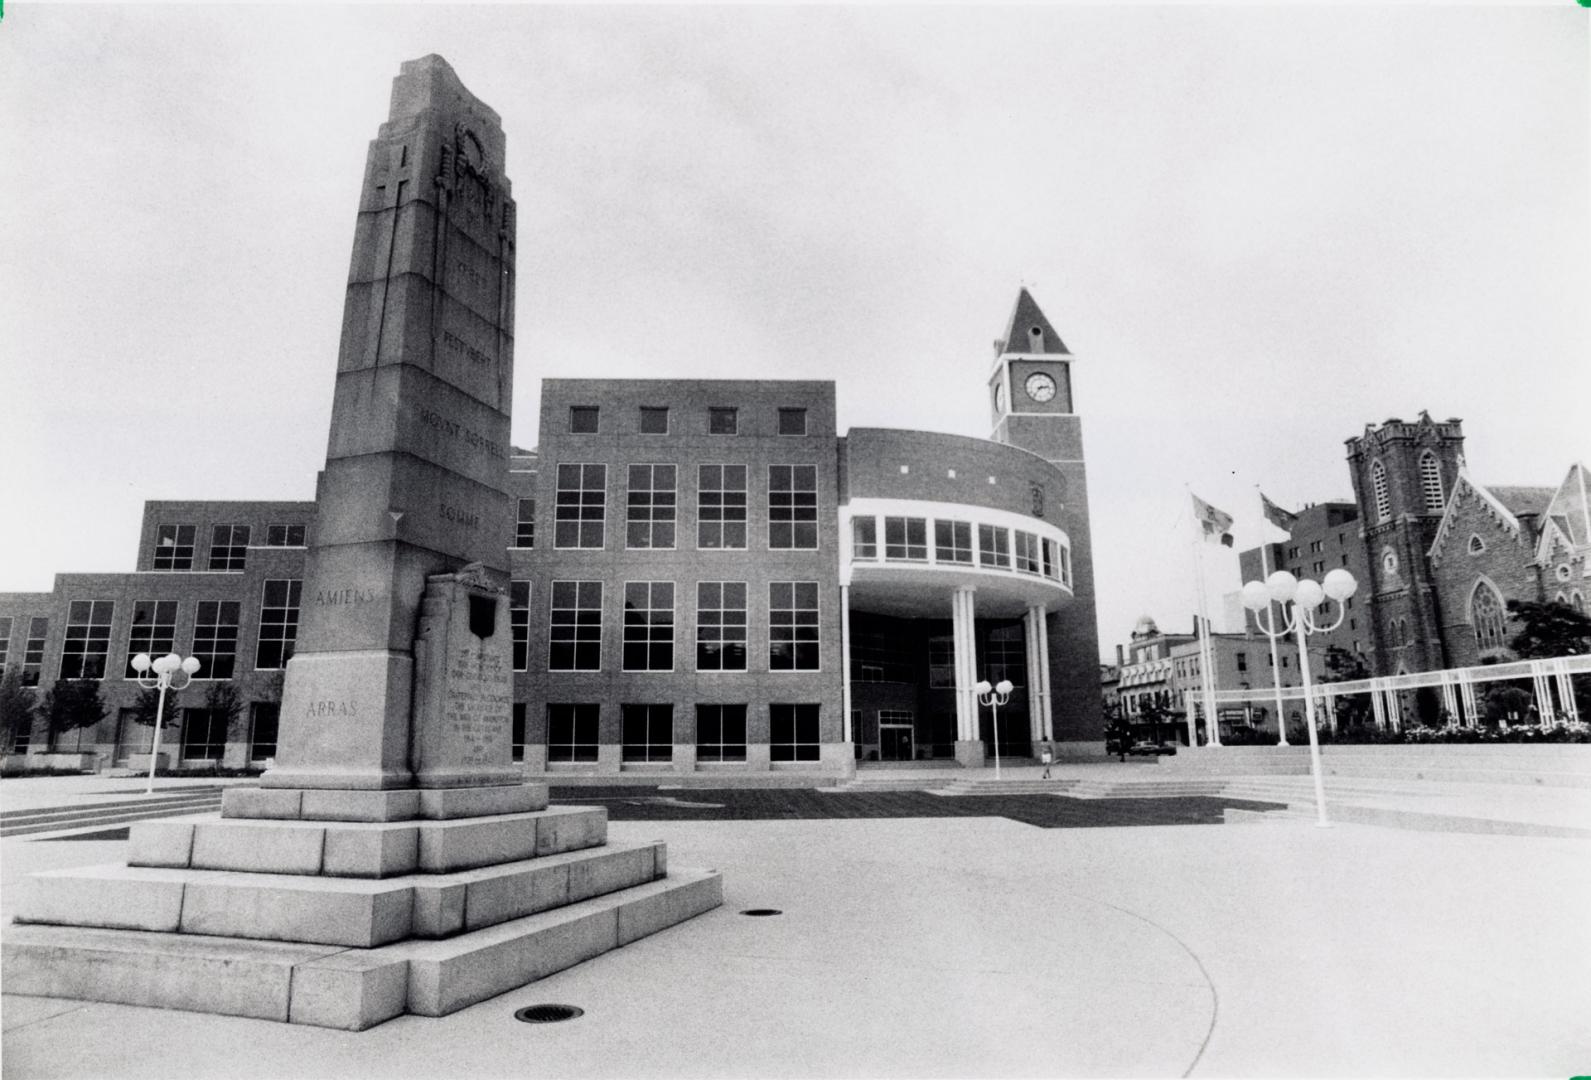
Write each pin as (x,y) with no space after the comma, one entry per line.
(148,701)
(1548,630)
(1118,731)
(17,707)
(1344,666)
(71,705)
(224,704)
(1505,702)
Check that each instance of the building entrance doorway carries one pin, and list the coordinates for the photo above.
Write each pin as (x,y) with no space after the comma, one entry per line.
(895,736)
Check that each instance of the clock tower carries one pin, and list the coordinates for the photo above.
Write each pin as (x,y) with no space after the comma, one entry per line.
(1030,396)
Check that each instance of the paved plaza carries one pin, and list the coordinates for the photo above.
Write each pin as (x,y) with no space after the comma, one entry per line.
(918,935)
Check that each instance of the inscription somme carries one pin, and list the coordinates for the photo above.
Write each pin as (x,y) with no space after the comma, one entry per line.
(458,516)
(457,345)
(452,428)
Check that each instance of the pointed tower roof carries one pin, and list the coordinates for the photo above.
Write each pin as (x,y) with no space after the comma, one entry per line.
(1029,331)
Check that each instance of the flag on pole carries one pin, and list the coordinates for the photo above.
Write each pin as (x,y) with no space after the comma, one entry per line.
(1216,524)
(1282,519)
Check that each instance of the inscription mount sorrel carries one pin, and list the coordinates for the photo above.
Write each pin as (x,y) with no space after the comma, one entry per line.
(415,486)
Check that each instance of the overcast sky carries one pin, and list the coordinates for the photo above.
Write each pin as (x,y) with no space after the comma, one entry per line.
(1258,228)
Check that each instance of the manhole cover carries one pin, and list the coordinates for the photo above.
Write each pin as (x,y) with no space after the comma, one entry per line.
(547,1014)
(762,911)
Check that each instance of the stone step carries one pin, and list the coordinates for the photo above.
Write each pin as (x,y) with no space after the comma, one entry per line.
(356,912)
(202,796)
(329,986)
(85,820)
(363,849)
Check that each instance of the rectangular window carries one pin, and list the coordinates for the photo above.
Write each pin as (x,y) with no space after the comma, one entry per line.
(525,524)
(793,732)
(720,733)
(284,536)
(721,626)
(953,541)
(572,732)
(792,421)
(215,638)
(278,623)
(721,506)
(517,737)
(583,419)
(906,538)
(174,547)
(1314,546)
(793,626)
(264,718)
(1292,552)
(649,515)
(581,506)
(792,507)
(229,547)
(723,421)
(647,731)
(1029,553)
(1242,661)
(1320,566)
(154,631)
(574,636)
(941,663)
(519,622)
(203,734)
(654,420)
(5,642)
(994,546)
(87,639)
(33,651)
(649,626)
(1005,655)
(864,538)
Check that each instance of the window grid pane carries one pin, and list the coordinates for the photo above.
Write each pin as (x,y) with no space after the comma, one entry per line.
(792,421)
(793,732)
(580,510)
(519,622)
(583,419)
(284,536)
(215,638)
(723,421)
(1029,555)
(649,626)
(906,539)
(264,718)
(654,420)
(792,507)
(721,507)
(154,631)
(994,546)
(650,510)
(864,538)
(953,541)
(229,547)
(572,732)
(174,547)
(720,733)
(5,642)
(525,524)
(87,641)
(574,637)
(203,734)
(721,626)
(33,651)
(793,626)
(278,623)
(647,732)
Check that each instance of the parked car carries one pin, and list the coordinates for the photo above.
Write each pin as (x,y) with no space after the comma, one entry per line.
(1149,749)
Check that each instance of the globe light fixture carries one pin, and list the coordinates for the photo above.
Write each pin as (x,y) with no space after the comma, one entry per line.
(994,697)
(1306,597)
(160,672)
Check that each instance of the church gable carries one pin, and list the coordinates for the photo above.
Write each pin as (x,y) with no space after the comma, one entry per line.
(1473,511)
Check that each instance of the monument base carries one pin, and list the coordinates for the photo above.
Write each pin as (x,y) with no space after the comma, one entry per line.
(407,804)
(970,753)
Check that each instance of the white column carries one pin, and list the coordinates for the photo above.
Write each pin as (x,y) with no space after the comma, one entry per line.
(1035,681)
(1571,710)
(1188,706)
(966,664)
(1376,706)
(1449,698)
(1466,697)
(845,665)
(1538,676)
(1046,705)
(1394,710)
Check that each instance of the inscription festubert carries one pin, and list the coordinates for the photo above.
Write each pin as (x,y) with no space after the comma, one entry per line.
(459,347)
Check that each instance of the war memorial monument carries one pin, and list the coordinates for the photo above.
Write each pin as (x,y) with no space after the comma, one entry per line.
(393,859)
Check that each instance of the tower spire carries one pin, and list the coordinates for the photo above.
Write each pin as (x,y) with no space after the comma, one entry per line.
(1029,331)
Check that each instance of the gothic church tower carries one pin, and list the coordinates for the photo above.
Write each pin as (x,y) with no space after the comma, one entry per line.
(1030,396)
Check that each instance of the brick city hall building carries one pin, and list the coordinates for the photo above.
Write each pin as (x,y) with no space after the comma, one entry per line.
(706,577)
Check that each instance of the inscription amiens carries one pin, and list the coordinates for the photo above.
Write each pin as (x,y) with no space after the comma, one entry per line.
(329,597)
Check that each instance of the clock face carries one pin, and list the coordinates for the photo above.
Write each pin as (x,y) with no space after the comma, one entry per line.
(999,396)
(1040,387)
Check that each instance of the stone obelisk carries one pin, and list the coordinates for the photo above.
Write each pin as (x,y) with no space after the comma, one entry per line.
(403,670)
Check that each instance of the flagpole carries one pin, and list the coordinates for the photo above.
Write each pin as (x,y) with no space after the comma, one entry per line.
(1276,667)
(1212,727)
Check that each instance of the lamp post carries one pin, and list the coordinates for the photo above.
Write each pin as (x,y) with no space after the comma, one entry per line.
(1305,597)
(164,669)
(994,696)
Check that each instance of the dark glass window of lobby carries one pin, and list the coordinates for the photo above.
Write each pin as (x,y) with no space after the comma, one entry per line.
(649,626)
(33,651)
(203,734)
(580,512)
(574,638)
(792,421)
(583,419)
(647,732)
(174,547)
(720,733)
(906,538)
(953,541)
(525,524)
(154,631)
(278,623)
(650,507)
(264,718)
(864,538)
(284,536)
(1029,553)
(792,507)
(87,639)
(215,638)
(654,420)
(517,737)
(1005,655)
(793,626)
(519,622)
(994,546)
(723,421)
(793,732)
(229,547)
(572,731)
(721,626)
(721,506)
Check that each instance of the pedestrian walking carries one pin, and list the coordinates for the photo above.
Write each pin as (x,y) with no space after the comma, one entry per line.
(1046,756)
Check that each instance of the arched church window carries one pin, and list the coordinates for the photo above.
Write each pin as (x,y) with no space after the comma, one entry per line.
(1476,544)
(1431,481)
(1486,616)
(1577,601)
(1378,486)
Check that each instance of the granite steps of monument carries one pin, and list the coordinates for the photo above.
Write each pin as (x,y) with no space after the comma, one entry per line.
(359,848)
(354,912)
(330,986)
(54,819)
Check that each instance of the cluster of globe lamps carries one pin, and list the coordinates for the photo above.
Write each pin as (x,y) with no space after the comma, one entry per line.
(160,672)
(1305,596)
